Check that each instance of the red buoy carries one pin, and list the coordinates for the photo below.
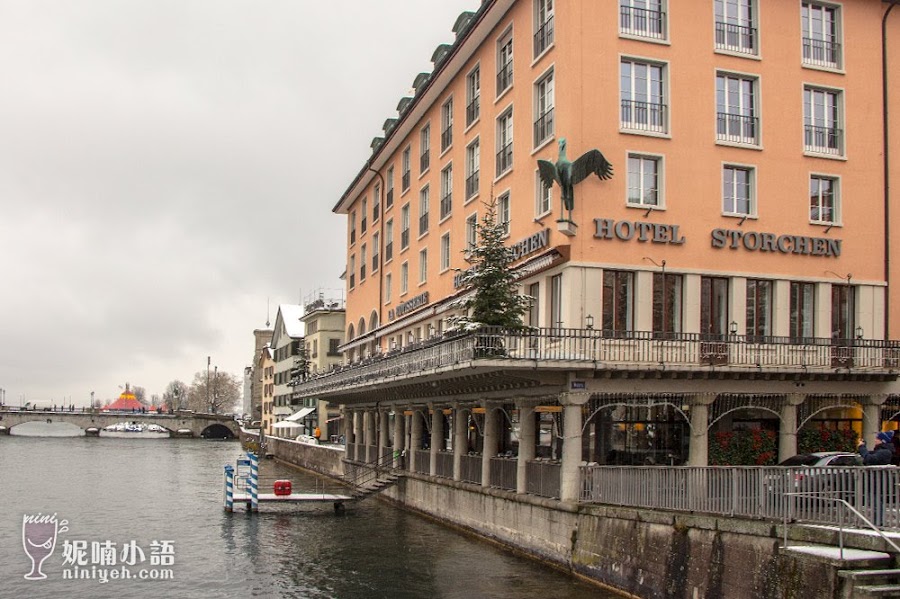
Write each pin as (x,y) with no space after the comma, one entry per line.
(282,487)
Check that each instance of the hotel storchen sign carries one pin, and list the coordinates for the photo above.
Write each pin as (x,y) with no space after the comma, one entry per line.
(751,241)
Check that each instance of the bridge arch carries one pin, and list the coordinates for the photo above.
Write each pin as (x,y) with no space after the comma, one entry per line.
(217,431)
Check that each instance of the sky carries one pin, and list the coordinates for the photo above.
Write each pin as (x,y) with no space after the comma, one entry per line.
(168,170)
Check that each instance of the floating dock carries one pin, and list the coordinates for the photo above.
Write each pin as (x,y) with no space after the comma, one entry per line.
(293,497)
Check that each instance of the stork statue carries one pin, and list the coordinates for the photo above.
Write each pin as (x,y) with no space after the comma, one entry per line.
(568,174)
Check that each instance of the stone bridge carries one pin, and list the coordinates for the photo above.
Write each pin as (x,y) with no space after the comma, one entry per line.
(179,424)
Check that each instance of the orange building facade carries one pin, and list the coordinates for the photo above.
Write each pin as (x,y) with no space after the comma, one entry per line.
(746,215)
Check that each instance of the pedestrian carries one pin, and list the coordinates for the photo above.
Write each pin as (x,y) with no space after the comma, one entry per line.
(881,455)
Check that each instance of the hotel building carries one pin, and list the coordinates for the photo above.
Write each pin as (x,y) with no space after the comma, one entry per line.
(737,271)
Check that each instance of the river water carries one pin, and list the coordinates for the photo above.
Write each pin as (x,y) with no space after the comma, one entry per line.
(152,510)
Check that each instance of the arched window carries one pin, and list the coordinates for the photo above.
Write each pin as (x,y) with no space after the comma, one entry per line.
(373,321)
(350,335)
(362,326)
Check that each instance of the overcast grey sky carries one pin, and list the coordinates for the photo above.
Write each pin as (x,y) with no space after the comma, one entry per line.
(168,165)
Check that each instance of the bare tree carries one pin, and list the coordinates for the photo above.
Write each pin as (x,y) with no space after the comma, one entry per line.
(175,396)
(220,396)
(140,394)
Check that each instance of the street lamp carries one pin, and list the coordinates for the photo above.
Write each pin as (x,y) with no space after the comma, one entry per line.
(589,321)
(733,327)
(208,362)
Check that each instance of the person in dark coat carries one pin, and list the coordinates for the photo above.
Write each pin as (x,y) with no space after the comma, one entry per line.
(882,453)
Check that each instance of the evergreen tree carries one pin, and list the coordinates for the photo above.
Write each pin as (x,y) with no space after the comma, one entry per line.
(495,301)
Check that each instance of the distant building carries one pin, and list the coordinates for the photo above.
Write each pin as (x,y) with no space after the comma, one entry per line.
(261,338)
(127,401)
(286,343)
(265,369)
(324,321)
(247,391)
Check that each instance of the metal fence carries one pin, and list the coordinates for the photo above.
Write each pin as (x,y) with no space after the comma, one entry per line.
(769,493)
(543,478)
(504,473)
(470,469)
(423,461)
(444,464)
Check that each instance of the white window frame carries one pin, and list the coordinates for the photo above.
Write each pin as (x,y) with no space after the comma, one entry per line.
(642,22)
(389,239)
(836,200)
(363,256)
(405,169)
(731,119)
(404,226)
(404,278)
(424,149)
(423,266)
(445,252)
(833,135)
(505,56)
(544,22)
(736,34)
(659,161)
(471,231)
(655,119)
(751,210)
(473,95)
(544,102)
(424,210)
(446,192)
(473,165)
(504,139)
(812,54)
(376,251)
(504,211)
(446,124)
(543,194)
(388,284)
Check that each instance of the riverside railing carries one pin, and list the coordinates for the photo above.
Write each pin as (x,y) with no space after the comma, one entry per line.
(543,478)
(470,469)
(599,348)
(504,473)
(423,461)
(444,464)
(768,493)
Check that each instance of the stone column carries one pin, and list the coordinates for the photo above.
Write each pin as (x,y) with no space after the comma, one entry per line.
(383,436)
(399,436)
(872,418)
(346,426)
(570,479)
(527,425)
(787,433)
(698,452)
(437,436)
(369,432)
(460,439)
(490,442)
(358,428)
(415,437)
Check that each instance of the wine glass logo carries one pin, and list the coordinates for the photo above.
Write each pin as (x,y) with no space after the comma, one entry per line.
(39,539)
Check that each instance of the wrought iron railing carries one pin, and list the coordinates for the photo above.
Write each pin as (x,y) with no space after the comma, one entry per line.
(504,473)
(504,159)
(424,161)
(543,478)
(423,224)
(737,128)
(823,53)
(642,22)
(389,251)
(473,111)
(423,461)
(444,464)
(389,198)
(735,38)
(446,138)
(404,181)
(446,205)
(750,491)
(825,140)
(600,349)
(470,469)
(504,76)
(543,37)
(472,185)
(644,116)
(404,239)
(543,127)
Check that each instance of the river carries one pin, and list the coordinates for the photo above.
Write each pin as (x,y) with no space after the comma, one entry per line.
(152,510)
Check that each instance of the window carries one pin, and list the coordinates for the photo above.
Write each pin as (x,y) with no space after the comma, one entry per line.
(473,96)
(504,63)
(556,301)
(446,191)
(471,232)
(713,306)
(352,271)
(821,35)
(803,310)
(643,96)
(405,166)
(424,195)
(404,227)
(376,248)
(644,18)
(643,180)
(503,212)
(424,149)
(618,301)
(667,298)
(543,196)
(543,109)
(363,214)
(759,307)
(543,24)
(504,142)
(333,345)
(737,191)
(404,278)
(353,227)
(389,196)
(843,312)
(388,284)
(388,241)
(737,119)
(362,263)
(447,125)
(822,121)
(534,309)
(376,204)
(736,26)
(445,251)
(823,200)
(423,265)
(473,161)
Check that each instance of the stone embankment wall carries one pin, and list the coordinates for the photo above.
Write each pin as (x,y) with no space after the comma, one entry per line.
(319,458)
(646,554)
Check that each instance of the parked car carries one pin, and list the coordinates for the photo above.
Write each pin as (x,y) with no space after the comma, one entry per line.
(824,473)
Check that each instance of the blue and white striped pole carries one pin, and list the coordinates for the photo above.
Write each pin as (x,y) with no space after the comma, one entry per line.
(229,488)
(254,482)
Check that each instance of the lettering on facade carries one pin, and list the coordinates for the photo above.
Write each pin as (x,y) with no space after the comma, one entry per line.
(625,230)
(408,306)
(520,249)
(769,242)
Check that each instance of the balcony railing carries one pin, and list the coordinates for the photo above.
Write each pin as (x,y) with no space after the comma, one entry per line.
(473,110)
(423,224)
(543,37)
(644,116)
(822,53)
(404,239)
(424,161)
(642,22)
(504,159)
(472,185)
(446,205)
(735,38)
(599,349)
(543,127)
(446,138)
(404,181)
(824,140)
(389,198)
(389,251)
(737,128)
(504,77)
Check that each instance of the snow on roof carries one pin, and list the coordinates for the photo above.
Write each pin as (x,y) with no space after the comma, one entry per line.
(290,315)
